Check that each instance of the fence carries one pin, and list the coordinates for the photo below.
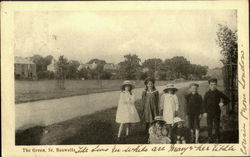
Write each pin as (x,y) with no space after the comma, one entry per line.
(230,77)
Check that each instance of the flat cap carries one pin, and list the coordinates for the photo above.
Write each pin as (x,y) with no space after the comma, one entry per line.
(213,80)
(194,84)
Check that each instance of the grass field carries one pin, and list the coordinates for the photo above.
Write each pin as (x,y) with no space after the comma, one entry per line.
(26,91)
(101,128)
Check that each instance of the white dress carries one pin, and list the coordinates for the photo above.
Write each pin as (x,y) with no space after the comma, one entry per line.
(126,111)
(169,104)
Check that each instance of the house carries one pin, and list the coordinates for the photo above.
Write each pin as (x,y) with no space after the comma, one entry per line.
(24,68)
(110,66)
(87,66)
(52,66)
(93,65)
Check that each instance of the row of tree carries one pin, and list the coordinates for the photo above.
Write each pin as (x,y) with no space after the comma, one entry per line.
(70,69)
(43,62)
(168,69)
(130,68)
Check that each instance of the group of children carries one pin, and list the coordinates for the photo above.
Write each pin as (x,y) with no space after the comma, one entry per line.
(160,113)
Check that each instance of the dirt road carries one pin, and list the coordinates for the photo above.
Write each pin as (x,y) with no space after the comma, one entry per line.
(52,111)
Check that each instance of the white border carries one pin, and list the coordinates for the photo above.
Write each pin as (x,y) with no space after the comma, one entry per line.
(7,81)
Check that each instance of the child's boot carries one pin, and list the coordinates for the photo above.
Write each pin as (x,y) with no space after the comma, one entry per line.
(192,136)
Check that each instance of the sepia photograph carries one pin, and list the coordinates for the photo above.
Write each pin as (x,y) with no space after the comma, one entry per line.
(126,77)
(117,78)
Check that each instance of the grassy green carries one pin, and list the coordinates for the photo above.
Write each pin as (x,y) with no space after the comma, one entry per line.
(101,128)
(27,91)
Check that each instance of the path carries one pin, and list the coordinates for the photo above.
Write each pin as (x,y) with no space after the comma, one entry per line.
(48,112)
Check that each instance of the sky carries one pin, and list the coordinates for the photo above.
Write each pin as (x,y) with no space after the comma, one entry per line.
(109,35)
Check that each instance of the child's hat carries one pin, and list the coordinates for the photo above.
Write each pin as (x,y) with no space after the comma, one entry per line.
(127,82)
(149,79)
(158,119)
(194,84)
(213,80)
(177,119)
(170,87)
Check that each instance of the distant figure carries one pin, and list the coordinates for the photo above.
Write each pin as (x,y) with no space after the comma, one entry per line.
(126,111)
(169,104)
(213,100)
(194,111)
(150,102)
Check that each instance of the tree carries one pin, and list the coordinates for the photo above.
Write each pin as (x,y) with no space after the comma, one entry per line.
(130,66)
(106,75)
(93,74)
(180,64)
(197,70)
(47,60)
(154,66)
(227,40)
(98,72)
(83,73)
(39,61)
(61,71)
(177,67)
(41,65)
(72,69)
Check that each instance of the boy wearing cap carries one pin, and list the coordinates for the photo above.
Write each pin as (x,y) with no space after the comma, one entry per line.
(194,110)
(213,100)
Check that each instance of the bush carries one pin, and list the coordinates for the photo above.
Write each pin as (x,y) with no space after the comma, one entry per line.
(51,75)
(45,75)
(106,75)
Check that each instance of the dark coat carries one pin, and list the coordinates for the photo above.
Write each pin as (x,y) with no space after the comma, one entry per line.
(183,132)
(212,100)
(194,104)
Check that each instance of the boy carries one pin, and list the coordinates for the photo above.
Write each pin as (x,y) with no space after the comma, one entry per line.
(212,103)
(194,110)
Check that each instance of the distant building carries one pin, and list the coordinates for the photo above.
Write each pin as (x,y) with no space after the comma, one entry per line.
(24,68)
(87,66)
(145,70)
(52,66)
(110,66)
(93,65)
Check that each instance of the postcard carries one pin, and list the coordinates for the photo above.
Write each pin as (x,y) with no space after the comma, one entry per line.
(125,78)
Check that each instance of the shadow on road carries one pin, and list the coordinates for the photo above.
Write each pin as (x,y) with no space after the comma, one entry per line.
(31,136)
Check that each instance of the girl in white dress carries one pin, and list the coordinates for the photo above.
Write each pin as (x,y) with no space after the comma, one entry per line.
(169,104)
(126,111)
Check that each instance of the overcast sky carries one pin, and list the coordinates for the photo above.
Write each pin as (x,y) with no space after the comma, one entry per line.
(109,35)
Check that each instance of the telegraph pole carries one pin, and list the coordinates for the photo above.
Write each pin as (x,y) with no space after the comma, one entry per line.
(155,70)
